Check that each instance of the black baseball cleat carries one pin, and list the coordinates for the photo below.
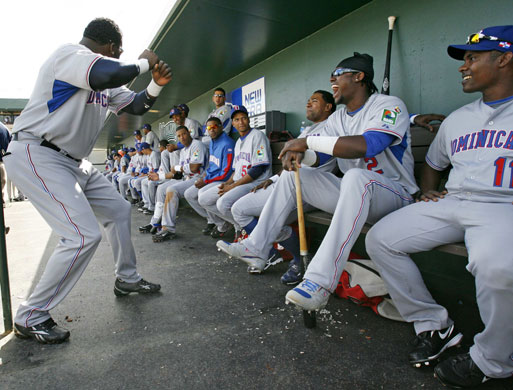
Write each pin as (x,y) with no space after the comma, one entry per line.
(47,332)
(208,229)
(163,235)
(429,345)
(215,233)
(122,288)
(146,228)
(460,371)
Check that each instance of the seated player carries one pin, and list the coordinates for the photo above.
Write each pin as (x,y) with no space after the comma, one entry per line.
(218,171)
(252,165)
(477,141)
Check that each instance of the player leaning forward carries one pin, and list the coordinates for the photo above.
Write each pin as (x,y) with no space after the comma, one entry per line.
(477,141)
(75,88)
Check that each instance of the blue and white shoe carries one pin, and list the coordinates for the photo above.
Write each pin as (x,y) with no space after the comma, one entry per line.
(239,251)
(308,296)
(293,274)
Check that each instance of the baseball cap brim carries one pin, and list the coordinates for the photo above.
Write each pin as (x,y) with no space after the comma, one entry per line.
(458,51)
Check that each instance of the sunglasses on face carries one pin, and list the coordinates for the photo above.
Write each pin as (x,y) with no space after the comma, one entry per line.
(477,37)
(212,127)
(218,95)
(340,71)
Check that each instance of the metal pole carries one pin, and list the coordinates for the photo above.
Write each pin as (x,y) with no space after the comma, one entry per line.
(4,277)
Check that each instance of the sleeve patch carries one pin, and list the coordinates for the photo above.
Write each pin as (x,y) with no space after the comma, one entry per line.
(390,116)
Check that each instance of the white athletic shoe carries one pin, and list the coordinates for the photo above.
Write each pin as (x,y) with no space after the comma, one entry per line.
(273,260)
(308,296)
(239,251)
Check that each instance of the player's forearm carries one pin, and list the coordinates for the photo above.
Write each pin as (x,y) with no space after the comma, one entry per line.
(353,146)
(430,179)
(244,180)
(142,102)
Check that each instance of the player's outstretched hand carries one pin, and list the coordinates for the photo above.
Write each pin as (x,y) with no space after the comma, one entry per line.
(431,196)
(424,120)
(162,73)
(152,58)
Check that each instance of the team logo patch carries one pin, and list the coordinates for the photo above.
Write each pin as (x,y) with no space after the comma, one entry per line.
(389,116)
(505,45)
(397,109)
(195,154)
(260,152)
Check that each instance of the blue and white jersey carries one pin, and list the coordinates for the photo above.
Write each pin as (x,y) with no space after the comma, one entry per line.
(250,151)
(477,140)
(381,113)
(221,159)
(63,109)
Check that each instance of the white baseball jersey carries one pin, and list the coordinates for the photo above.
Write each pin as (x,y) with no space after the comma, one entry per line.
(196,153)
(116,165)
(62,87)
(386,114)
(153,140)
(153,161)
(477,140)
(164,166)
(223,113)
(194,127)
(250,151)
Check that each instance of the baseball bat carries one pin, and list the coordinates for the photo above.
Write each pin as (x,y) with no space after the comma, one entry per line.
(385,88)
(309,318)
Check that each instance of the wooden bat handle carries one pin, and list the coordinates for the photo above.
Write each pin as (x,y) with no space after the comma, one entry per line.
(391,21)
(303,246)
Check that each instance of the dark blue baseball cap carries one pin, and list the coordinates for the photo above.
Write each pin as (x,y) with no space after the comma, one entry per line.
(236,109)
(498,38)
(147,126)
(175,111)
(131,150)
(184,107)
(137,132)
(145,145)
(138,146)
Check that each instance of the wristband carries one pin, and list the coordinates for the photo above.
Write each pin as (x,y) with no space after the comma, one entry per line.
(412,118)
(144,65)
(309,158)
(274,178)
(162,176)
(322,144)
(153,88)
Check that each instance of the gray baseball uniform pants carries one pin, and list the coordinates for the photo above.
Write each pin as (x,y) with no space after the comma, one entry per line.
(192,195)
(222,205)
(171,203)
(360,196)
(149,190)
(135,186)
(486,230)
(72,197)
(123,180)
(160,199)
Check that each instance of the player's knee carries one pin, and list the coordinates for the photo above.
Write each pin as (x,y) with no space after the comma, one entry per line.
(223,206)
(354,176)
(492,274)
(376,242)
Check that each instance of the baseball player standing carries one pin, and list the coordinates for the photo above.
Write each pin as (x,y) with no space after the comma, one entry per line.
(75,88)
(477,141)
(222,111)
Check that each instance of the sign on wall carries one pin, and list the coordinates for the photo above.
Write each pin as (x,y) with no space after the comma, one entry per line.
(251,96)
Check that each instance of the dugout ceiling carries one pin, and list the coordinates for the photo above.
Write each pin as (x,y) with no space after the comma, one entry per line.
(207,42)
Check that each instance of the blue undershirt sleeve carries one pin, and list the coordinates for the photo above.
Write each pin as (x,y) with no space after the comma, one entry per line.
(377,142)
(255,172)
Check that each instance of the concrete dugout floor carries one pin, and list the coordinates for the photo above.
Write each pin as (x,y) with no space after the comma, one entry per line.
(213,326)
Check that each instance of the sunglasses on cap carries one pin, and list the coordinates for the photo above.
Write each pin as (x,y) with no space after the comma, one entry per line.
(212,127)
(340,71)
(218,95)
(477,37)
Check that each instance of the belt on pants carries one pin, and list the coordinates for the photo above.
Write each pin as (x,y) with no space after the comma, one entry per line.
(48,144)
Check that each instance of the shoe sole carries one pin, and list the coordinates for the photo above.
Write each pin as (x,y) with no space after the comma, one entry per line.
(455,341)
(289,300)
(40,339)
(230,256)
(122,293)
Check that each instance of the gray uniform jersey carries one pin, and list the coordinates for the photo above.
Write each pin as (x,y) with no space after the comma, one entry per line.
(196,153)
(477,141)
(154,161)
(164,166)
(63,86)
(315,130)
(223,113)
(153,140)
(386,114)
(194,127)
(251,151)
